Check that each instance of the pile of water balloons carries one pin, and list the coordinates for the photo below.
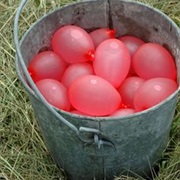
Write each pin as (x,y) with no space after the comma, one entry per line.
(99,74)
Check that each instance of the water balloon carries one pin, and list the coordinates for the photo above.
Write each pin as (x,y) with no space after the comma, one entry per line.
(152,60)
(101,34)
(46,64)
(73,44)
(128,88)
(152,92)
(94,95)
(112,61)
(54,92)
(76,70)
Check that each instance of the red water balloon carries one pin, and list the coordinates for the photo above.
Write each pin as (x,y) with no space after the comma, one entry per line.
(153,91)
(152,60)
(132,43)
(128,88)
(112,61)
(123,112)
(46,64)
(94,95)
(73,44)
(101,34)
(76,70)
(54,92)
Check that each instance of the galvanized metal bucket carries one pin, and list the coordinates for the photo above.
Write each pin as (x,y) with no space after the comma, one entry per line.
(101,148)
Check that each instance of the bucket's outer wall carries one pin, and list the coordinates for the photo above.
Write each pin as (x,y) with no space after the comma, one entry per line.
(139,140)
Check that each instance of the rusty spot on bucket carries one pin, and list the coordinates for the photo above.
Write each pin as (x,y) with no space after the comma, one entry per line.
(77,15)
(46,48)
(155,29)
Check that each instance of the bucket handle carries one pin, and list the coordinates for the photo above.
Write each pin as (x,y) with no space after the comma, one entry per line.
(86,135)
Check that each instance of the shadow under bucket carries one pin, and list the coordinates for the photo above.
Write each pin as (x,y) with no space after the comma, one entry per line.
(101,148)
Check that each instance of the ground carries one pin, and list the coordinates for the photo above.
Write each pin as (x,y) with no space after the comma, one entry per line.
(23,154)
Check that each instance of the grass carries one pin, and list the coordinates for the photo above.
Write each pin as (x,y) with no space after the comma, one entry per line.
(23,154)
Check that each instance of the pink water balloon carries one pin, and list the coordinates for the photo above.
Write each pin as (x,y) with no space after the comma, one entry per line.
(76,70)
(46,64)
(54,92)
(73,44)
(128,89)
(112,61)
(94,95)
(152,60)
(132,43)
(123,112)
(101,34)
(153,91)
